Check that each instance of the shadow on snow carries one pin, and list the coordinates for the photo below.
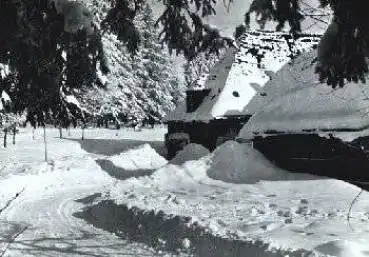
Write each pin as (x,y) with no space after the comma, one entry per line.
(121,173)
(167,233)
(84,244)
(110,147)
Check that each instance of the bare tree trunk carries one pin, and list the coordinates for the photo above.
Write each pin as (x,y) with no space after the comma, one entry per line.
(33,133)
(83,132)
(14,132)
(69,134)
(45,144)
(60,132)
(5,135)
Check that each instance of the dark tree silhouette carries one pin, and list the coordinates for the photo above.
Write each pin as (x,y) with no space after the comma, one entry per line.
(342,53)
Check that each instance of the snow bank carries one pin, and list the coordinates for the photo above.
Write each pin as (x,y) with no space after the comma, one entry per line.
(239,163)
(142,157)
(285,211)
(189,153)
(345,248)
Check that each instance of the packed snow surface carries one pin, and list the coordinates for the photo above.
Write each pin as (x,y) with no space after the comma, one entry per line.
(295,100)
(287,211)
(189,153)
(41,221)
(258,201)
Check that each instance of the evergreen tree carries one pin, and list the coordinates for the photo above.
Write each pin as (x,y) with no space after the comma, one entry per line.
(140,87)
(342,53)
(343,50)
(157,79)
(37,34)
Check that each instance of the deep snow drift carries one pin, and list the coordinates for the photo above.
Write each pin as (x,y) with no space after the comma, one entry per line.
(142,157)
(287,211)
(236,163)
(188,153)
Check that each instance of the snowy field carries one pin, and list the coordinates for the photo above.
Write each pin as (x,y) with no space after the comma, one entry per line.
(41,222)
(233,194)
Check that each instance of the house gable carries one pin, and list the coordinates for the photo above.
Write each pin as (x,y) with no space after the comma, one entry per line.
(241,74)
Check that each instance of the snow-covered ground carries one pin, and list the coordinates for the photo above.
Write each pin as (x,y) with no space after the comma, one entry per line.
(41,221)
(288,212)
(237,197)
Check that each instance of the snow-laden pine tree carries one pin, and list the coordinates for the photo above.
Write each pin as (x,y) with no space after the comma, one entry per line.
(160,88)
(50,47)
(196,71)
(140,87)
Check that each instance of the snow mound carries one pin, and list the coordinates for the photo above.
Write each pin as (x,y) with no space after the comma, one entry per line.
(344,248)
(142,157)
(239,163)
(189,153)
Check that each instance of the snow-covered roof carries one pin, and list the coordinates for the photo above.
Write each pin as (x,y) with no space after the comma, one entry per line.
(241,73)
(295,101)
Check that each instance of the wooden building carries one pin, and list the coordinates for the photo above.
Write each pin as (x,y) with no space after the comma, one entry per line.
(218,110)
(303,125)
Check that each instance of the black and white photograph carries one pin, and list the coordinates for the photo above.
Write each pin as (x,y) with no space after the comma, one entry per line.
(184,128)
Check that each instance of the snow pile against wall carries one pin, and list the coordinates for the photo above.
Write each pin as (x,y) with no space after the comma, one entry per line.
(189,153)
(239,163)
(291,212)
(295,100)
(141,158)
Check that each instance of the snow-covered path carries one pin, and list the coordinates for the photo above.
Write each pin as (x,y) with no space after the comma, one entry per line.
(41,221)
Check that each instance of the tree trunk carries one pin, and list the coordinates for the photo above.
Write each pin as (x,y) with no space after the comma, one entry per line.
(60,132)
(5,135)
(69,134)
(14,132)
(33,134)
(83,132)
(45,144)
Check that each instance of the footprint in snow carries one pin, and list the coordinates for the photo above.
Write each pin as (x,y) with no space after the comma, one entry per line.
(269,226)
(304,201)
(302,232)
(285,214)
(272,206)
(288,221)
(302,210)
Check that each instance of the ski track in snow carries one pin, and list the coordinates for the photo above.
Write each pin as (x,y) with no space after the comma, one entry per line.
(46,207)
